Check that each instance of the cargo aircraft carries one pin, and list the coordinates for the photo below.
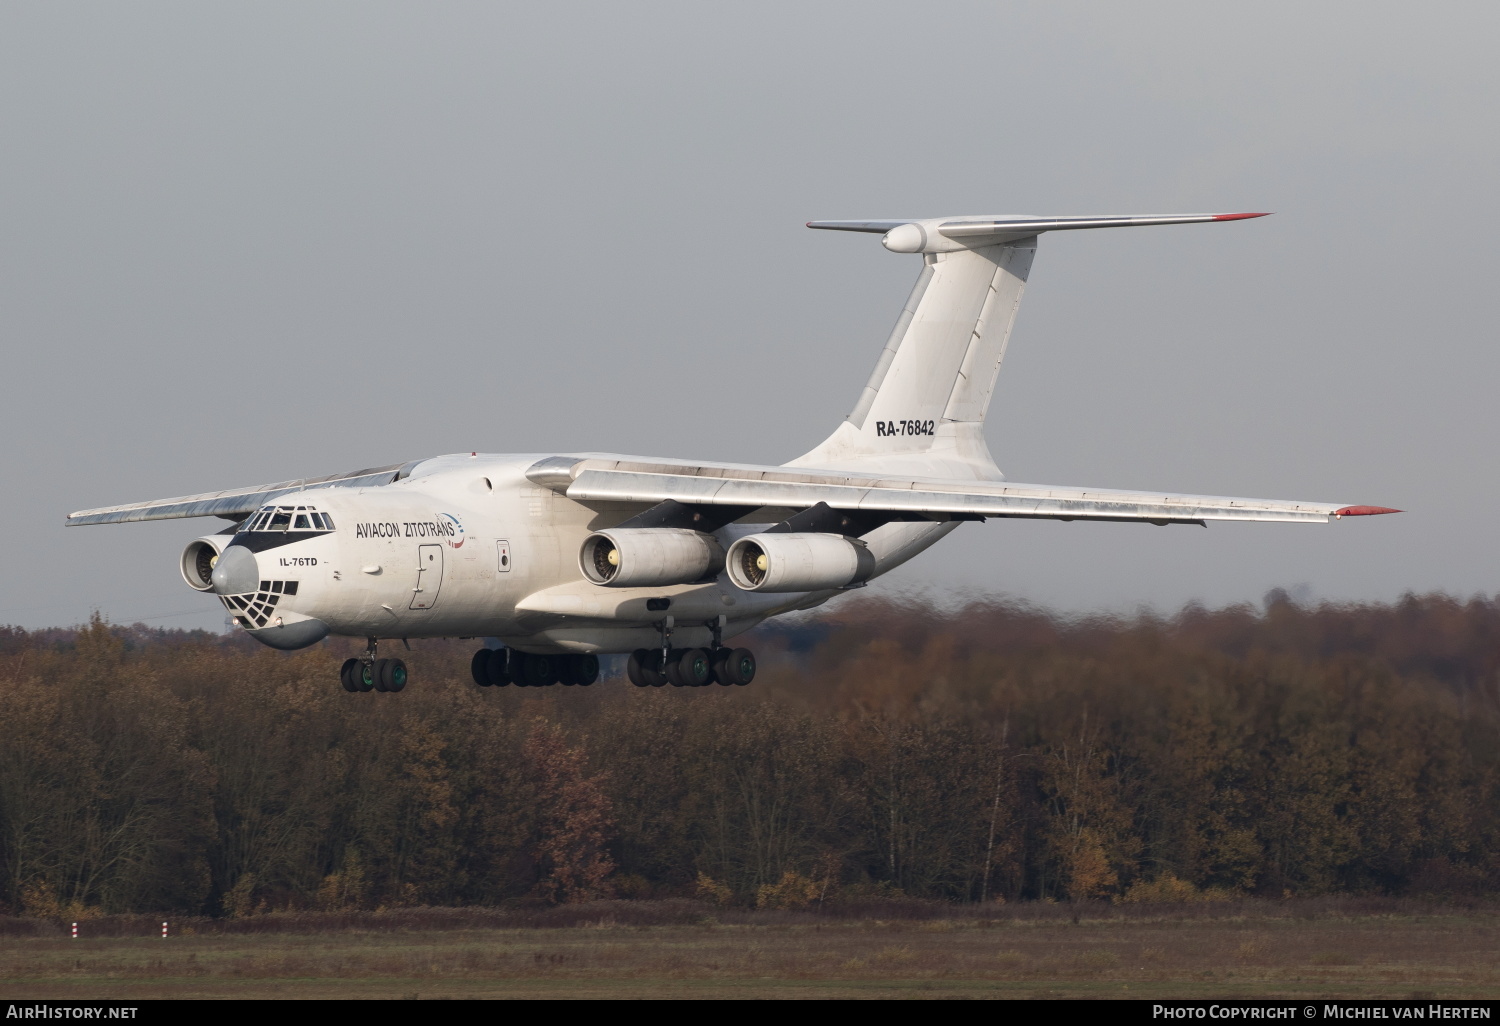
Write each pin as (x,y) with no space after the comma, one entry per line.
(554,559)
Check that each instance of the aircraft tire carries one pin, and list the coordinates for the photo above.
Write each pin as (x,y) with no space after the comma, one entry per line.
(377,675)
(393,675)
(500,668)
(634,668)
(479,668)
(740,666)
(537,671)
(669,669)
(347,675)
(651,669)
(694,668)
(364,676)
(719,658)
(584,668)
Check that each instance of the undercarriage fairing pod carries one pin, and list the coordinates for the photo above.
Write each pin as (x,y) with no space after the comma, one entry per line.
(798,562)
(198,561)
(644,557)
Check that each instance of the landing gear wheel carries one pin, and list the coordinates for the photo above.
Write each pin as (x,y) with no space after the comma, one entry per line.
(693,668)
(651,669)
(392,675)
(380,672)
(720,659)
(349,675)
(739,668)
(669,669)
(635,668)
(537,671)
(364,676)
(498,669)
(581,670)
(479,668)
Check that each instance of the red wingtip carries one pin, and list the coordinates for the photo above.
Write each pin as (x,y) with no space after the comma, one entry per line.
(1239,217)
(1364,511)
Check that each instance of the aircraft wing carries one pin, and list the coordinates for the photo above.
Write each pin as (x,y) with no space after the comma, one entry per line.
(234,503)
(616,480)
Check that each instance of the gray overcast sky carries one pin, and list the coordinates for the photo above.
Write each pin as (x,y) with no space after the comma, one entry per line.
(242,243)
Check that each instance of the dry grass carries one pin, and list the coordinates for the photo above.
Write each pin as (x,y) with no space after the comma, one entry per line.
(1276,950)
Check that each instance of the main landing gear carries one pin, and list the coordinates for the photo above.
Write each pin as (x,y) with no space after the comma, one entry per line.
(497,667)
(691,667)
(366,673)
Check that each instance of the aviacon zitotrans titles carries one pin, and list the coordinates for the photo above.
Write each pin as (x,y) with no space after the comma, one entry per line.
(553,559)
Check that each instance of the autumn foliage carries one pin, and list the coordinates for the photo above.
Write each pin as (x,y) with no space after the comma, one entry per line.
(989,752)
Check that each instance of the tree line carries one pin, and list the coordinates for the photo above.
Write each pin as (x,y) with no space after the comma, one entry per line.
(987,752)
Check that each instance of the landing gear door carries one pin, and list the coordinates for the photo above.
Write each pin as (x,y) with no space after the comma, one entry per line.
(429,576)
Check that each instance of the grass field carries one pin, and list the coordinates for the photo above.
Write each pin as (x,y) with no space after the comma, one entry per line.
(1239,951)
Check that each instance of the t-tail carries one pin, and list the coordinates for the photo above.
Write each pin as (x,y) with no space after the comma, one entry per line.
(922,412)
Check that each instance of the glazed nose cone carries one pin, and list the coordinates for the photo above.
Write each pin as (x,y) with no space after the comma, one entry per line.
(236,572)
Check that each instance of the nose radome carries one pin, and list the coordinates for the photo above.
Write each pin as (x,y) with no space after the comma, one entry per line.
(236,572)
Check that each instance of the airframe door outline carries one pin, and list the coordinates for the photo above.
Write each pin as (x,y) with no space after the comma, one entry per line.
(429,576)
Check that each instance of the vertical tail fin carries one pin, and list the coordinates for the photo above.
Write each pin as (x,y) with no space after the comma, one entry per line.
(922,412)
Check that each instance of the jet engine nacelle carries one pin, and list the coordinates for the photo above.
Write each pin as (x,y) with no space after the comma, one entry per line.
(644,557)
(798,562)
(198,560)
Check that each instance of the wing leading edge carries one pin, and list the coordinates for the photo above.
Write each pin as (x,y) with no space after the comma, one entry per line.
(234,503)
(636,481)
(626,481)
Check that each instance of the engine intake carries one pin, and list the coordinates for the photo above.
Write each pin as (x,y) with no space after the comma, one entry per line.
(198,561)
(798,562)
(646,557)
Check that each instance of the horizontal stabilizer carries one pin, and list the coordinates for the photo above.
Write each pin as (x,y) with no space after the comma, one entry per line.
(948,234)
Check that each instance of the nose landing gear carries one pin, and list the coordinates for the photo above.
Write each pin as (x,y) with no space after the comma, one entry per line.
(370,674)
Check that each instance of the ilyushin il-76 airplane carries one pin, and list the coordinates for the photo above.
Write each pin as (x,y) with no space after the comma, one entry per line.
(555,559)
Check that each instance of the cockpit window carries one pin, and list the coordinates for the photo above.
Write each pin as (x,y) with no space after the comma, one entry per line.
(287,518)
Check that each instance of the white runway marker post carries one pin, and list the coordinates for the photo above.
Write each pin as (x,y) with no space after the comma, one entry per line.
(163,931)
(75,931)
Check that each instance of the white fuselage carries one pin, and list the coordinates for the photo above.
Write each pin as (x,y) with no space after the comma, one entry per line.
(467,546)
